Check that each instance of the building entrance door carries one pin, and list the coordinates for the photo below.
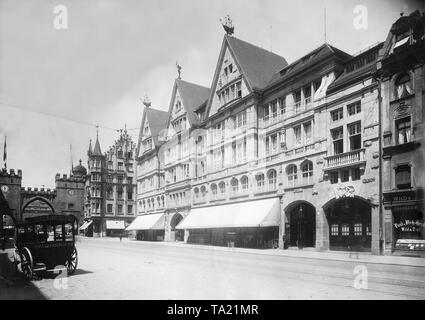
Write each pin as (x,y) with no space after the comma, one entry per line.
(178,234)
(302,226)
(350,225)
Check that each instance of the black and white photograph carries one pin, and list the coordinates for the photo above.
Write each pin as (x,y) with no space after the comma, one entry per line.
(212,151)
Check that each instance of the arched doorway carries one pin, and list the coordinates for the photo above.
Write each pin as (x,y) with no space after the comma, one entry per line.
(302,225)
(349,222)
(175,220)
(37,206)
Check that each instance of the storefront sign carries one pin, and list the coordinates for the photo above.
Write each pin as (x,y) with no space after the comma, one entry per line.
(402,196)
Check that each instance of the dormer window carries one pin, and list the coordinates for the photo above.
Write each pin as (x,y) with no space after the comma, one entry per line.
(178,106)
(230,68)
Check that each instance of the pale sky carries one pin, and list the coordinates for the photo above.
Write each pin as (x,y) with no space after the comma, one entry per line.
(115,52)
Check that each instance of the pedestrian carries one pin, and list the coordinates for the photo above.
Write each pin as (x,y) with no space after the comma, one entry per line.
(120,237)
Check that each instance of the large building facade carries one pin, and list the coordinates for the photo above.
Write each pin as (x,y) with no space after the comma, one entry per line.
(110,189)
(277,154)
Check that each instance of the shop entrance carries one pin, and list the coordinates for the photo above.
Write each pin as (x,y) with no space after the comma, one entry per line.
(349,225)
(175,220)
(302,222)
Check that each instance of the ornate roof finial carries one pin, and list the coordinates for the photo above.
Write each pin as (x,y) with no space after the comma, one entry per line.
(228,25)
(179,70)
(146,101)
(401,14)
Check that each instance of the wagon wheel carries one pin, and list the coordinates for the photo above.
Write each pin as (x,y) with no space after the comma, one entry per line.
(26,263)
(72,262)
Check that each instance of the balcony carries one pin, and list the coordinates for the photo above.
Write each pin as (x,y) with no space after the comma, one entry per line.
(239,192)
(265,188)
(346,159)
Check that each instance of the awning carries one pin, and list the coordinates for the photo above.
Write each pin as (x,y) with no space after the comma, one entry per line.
(115,224)
(401,42)
(155,221)
(259,213)
(86,224)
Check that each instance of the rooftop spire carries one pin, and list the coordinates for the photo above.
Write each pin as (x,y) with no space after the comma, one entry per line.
(90,149)
(97,151)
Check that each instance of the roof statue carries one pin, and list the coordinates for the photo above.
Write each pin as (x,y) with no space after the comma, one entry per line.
(179,69)
(228,25)
(146,101)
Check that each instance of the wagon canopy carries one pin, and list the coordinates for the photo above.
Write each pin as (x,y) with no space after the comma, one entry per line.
(53,219)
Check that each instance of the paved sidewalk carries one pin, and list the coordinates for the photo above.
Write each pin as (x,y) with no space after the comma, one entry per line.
(361,257)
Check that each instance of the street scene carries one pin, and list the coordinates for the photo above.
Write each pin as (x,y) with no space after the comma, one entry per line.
(212,150)
(110,269)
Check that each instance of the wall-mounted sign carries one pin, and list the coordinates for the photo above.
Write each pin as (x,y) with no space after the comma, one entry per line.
(4,189)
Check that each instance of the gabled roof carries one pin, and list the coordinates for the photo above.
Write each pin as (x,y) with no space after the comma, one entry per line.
(258,65)
(157,120)
(308,61)
(97,151)
(193,96)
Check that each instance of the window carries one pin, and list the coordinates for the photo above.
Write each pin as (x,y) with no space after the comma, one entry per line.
(345,229)
(334,229)
(403,177)
(297,99)
(230,68)
(120,194)
(354,132)
(119,209)
(130,209)
(244,183)
(307,94)
(307,132)
(344,175)
(70,206)
(297,135)
(109,208)
(130,195)
(355,174)
(292,175)
(282,105)
(358,229)
(214,190)
(196,192)
(354,108)
(130,180)
(238,89)
(403,86)
(120,154)
(403,130)
(272,178)
(273,107)
(235,185)
(259,178)
(337,114)
(338,143)
(241,119)
(307,172)
(222,187)
(333,177)
(120,179)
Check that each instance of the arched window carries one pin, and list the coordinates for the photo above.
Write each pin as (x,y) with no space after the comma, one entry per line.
(307,172)
(402,86)
(222,187)
(291,171)
(196,192)
(271,176)
(158,201)
(259,178)
(214,190)
(235,185)
(162,200)
(203,191)
(153,203)
(244,183)
(149,203)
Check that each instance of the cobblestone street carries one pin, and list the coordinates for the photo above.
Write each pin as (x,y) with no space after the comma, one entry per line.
(110,269)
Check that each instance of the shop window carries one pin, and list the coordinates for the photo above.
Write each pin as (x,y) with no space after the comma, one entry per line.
(408,228)
(403,127)
(337,114)
(403,86)
(358,229)
(368,230)
(345,229)
(333,177)
(344,175)
(338,141)
(403,177)
(354,108)
(354,132)
(355,174)
(334,229)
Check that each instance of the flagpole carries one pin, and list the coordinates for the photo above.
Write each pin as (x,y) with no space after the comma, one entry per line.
(5,154)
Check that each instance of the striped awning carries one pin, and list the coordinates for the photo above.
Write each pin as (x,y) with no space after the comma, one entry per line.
(155,221)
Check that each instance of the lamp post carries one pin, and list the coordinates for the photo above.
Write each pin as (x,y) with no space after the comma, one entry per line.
(300,220)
